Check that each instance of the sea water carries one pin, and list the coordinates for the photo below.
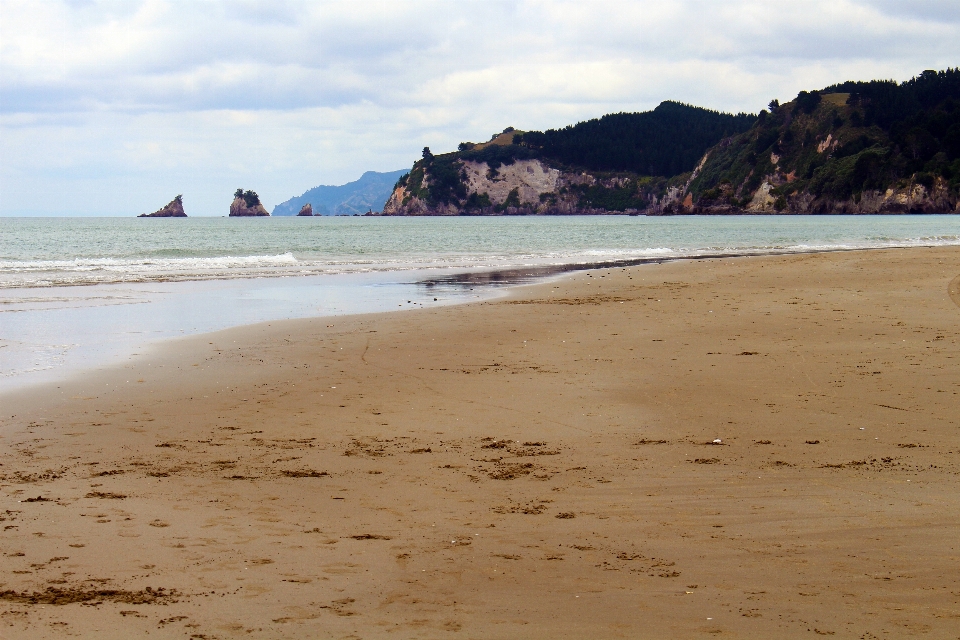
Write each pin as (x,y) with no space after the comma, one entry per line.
(83,292)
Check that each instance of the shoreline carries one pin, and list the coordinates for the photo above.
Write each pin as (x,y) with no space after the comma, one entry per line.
(292,250)
(107,325)
(547,268)
(484,277)
(538,465)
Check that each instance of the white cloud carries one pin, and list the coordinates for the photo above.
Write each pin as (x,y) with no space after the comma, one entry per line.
(113,107)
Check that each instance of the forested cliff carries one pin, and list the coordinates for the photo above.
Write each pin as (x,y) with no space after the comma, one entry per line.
(620,162)
(855,147)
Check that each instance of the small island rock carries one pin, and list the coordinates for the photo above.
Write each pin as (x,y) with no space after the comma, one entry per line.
(173,210)
(246,203)
(307,210)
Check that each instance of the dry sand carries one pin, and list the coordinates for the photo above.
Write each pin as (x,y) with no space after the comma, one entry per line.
(539,466)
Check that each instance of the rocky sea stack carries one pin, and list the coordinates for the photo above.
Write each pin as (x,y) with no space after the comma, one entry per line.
(173,210)
(306,210)
(246,204)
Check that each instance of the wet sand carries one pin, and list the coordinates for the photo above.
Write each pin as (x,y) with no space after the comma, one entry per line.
(539,466)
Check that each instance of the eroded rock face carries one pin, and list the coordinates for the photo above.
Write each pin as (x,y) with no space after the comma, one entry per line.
(531,187)
(529,177)
(510,189)
(240,208)
(910,198)
(402,203)
(173,210)
(306,210)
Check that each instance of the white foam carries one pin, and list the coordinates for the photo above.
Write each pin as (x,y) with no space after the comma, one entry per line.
(124,265)
(447,245)
(82,271)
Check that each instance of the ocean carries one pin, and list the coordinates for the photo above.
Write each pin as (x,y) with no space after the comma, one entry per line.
(79,293)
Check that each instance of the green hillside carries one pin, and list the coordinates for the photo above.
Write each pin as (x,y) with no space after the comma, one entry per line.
(664,142)
(825,149)
(855,147)
(661,143)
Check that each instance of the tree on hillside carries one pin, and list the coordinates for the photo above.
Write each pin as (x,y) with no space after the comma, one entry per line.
(250,198)
(807,101)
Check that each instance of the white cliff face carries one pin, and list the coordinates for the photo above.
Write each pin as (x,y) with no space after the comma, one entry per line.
(912,197)
(827,145)
(529,177)
(762,200)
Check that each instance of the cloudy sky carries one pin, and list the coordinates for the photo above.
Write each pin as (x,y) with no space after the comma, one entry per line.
(112,108)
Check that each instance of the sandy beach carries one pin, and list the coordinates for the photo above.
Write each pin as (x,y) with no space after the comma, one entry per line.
(742,447)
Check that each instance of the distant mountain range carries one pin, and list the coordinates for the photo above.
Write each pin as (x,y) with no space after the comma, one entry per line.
(369,193)
(856,147)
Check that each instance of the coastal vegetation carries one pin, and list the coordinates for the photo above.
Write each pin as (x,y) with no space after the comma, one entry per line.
(250,198)
(629,152)
(840,143)
(664,142)
(247,204)
(857,147)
